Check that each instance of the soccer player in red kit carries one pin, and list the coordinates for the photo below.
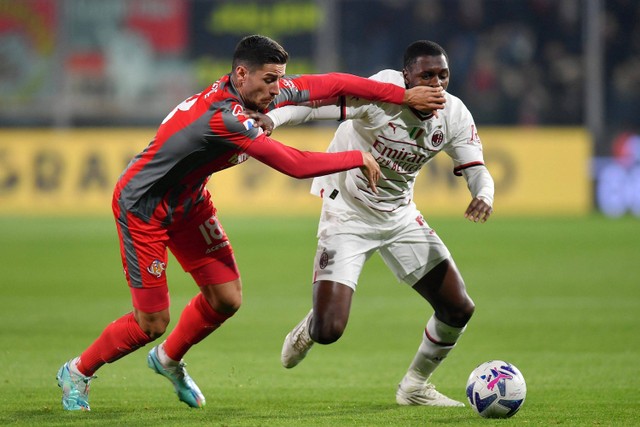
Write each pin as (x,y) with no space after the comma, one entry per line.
(161,201)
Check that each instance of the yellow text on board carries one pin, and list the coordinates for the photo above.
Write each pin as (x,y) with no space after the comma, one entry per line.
(73,172)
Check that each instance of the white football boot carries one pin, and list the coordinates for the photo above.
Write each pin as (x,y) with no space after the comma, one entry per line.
(425,395)
(297,343)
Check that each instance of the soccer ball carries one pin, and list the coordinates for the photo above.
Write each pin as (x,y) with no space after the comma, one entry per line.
(496,389)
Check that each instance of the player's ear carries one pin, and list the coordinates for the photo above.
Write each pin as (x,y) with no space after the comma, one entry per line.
(405,74)
(241,73)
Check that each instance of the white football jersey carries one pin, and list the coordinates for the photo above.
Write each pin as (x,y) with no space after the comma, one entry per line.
(401,139)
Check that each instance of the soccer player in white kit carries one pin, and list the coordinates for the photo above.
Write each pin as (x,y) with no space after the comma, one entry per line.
(356,222)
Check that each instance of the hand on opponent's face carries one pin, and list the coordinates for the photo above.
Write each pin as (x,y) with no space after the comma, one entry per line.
(425,98)
(428,76)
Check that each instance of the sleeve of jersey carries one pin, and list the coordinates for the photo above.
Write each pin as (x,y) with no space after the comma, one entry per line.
(311,87)
(297,114)
(465,148)
(480,183)
(301,164)
(351,108)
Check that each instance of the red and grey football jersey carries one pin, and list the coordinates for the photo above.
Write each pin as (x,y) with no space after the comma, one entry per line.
(209,132)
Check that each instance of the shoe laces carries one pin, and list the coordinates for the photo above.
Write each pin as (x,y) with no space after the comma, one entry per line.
(80,380)
(430,390)
(300,342)
(178,370)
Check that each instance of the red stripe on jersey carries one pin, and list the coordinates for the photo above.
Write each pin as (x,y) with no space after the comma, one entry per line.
(457,171)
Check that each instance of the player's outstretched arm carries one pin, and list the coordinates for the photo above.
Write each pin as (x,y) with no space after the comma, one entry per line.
(292,115)
(308,164)
(313,87)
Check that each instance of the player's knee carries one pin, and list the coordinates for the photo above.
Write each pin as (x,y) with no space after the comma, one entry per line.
(155,333)
(154,328)
(229,309)
(458,315)
(326,332)
(229,304)
(466,311)
(225,298)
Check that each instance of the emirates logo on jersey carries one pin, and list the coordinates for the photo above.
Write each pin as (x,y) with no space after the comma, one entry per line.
(437,138)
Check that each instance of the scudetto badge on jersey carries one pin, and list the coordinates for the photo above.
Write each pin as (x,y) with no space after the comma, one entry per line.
(156,268)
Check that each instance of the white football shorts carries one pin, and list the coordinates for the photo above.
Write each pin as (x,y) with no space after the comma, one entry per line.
(409,247)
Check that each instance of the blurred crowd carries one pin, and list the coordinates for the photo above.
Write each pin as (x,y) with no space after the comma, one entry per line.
(513,62)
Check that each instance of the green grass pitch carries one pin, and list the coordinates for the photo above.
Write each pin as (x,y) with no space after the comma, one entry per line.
(558,297)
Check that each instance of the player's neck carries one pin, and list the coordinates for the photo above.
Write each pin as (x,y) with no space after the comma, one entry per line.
(422,115)
(237,87)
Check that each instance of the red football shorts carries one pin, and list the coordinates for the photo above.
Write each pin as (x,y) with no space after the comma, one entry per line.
(198,242)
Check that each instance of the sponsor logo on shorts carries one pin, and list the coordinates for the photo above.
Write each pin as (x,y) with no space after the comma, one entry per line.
(156,268)
(216,247)
(324,260)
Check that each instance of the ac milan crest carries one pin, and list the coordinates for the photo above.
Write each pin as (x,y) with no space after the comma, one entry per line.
(437,138)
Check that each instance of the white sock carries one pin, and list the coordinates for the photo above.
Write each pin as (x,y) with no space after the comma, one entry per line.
(164,359)
(437,341)
(73,367)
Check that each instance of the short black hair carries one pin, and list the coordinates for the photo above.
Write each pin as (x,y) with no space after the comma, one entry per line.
(256,50)
(422,48)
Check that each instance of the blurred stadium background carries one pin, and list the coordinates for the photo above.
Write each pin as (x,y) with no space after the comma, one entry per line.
(554,86)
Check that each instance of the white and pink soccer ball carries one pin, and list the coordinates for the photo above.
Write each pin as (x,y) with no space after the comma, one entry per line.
(496,389)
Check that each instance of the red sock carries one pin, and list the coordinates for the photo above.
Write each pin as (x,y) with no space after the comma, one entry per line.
(197,321)
(119,338)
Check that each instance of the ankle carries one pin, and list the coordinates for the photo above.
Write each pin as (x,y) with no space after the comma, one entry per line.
(412,381)
(164,359)
(75,367)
